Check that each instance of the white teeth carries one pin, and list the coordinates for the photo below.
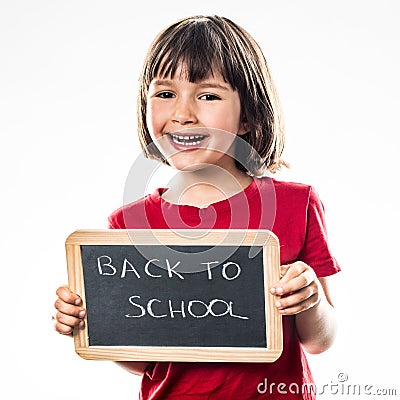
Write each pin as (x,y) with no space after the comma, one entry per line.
(183,140)
(186,144)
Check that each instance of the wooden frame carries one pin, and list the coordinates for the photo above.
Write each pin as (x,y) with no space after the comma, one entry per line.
(271,260)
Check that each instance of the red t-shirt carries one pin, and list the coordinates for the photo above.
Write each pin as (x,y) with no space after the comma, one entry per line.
(295,214)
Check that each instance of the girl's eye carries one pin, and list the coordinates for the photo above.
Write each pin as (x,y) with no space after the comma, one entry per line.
(165,95)
(209,97)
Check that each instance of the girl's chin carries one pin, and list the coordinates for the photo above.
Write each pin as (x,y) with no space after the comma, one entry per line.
(186,163)
(192,167)
(179,164)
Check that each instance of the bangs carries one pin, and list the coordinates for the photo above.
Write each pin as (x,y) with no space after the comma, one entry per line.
(198,49)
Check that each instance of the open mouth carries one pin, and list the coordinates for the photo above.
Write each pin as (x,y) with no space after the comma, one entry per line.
(187,140)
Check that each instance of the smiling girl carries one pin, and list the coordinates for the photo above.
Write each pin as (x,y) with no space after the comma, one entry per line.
(207,107)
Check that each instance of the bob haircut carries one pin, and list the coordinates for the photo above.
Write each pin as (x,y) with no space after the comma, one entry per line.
(207,44)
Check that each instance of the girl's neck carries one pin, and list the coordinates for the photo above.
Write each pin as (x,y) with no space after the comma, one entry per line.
(205,186)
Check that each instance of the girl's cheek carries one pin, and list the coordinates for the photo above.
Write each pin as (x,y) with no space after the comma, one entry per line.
(156,118)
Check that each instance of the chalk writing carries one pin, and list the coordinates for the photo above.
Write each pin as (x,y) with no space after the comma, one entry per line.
(106,268)
(185,309)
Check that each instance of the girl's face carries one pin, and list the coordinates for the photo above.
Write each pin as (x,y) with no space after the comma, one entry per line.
(194,124)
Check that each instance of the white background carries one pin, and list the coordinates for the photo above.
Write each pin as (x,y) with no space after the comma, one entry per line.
(68,81)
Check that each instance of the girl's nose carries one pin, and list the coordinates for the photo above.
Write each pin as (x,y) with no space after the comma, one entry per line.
(184,112)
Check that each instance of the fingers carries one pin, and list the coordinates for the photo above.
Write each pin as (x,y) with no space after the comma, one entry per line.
(297,302)
(294,277)
(298,289)
(65,294)
(65,324)
(69,312)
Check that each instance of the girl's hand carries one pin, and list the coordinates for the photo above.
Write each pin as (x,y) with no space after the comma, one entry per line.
(69,311)
(299,289)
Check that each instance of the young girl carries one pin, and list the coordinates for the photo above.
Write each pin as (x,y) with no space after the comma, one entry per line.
(207,106)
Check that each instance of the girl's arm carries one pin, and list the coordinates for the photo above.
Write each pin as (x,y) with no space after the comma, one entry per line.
(301,293)
(316,326)
(70,314)
(134,367)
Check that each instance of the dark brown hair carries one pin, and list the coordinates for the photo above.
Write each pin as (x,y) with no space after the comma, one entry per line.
(204,44)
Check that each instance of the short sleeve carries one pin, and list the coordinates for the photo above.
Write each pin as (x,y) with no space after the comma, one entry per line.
(116,220)
(110,224)
(316,251)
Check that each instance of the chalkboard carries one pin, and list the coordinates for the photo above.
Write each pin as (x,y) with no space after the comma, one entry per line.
(183,295)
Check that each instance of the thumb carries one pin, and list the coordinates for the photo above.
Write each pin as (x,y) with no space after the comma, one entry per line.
(284,269)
